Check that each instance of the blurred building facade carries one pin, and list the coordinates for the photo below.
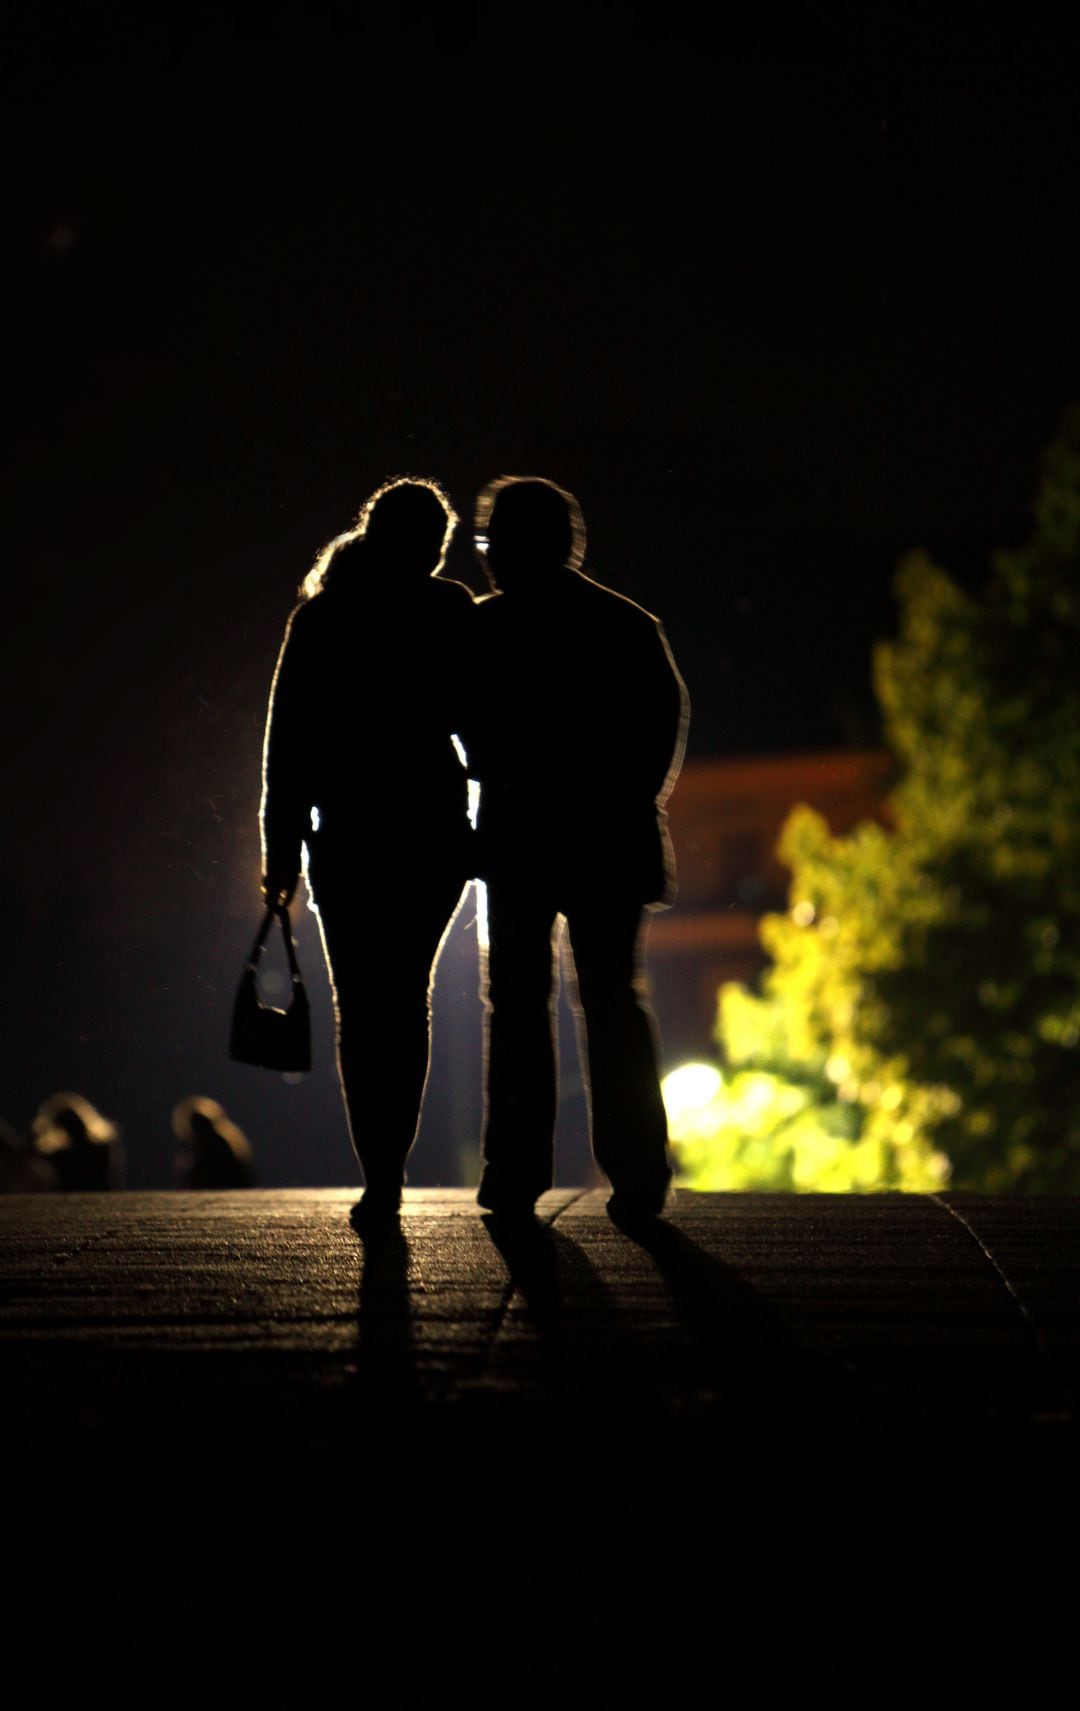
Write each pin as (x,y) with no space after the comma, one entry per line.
(726,817)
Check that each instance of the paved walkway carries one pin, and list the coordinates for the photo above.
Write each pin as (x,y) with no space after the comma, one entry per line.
(743,1310)
(773,1405)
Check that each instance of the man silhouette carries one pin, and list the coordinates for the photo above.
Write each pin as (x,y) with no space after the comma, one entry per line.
(360,766)
(575,734)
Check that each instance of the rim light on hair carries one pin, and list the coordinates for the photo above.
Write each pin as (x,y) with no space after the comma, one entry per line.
(315,579)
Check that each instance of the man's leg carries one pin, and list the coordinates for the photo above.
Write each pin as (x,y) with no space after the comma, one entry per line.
(519,1049)
(629,1124)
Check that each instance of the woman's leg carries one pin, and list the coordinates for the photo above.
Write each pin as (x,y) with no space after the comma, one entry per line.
(380,952)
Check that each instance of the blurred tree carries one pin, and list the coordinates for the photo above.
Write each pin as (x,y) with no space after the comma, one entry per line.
(921,1020)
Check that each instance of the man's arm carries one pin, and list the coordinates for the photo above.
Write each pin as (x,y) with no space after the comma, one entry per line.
(669,717)
(465,648)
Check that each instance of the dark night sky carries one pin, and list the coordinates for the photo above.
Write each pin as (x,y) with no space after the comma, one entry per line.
(777,309)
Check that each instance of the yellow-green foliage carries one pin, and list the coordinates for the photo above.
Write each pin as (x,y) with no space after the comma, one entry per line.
(920,1021)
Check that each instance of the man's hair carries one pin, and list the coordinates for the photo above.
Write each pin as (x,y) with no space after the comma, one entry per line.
(552,513)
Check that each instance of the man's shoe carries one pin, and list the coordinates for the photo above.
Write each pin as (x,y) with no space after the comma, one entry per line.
(631,1210)
(505,1200)
(505,1212)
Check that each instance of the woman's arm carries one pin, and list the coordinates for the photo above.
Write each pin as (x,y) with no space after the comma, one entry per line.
(285,811)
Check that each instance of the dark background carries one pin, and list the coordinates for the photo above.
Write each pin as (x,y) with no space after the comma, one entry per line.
(778,305)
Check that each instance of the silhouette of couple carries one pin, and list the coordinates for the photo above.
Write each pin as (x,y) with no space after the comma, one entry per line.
(567,705)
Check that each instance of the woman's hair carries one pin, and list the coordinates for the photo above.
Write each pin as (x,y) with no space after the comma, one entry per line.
(357,536)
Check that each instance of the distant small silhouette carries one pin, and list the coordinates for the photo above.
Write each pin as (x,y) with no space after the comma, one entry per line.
(575,731)
(213,1151)
(359,766)
(21,1171)
(80,1145)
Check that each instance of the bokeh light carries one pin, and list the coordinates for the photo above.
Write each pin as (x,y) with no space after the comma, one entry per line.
(692,1087)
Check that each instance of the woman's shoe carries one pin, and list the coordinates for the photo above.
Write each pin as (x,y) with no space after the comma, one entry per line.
(377,1209)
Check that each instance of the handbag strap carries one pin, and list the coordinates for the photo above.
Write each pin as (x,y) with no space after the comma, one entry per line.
(260,943)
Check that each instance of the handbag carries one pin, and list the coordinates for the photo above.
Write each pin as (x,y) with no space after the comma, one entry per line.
(272,1039)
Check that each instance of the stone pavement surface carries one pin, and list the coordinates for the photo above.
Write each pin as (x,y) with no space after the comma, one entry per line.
(768,1408)
(956,1313)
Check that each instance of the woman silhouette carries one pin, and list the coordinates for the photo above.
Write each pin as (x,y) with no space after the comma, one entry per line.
(360,766)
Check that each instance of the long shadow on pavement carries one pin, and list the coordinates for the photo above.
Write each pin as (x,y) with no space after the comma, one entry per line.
(741,1363)
(709,1349)
(386,1346)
